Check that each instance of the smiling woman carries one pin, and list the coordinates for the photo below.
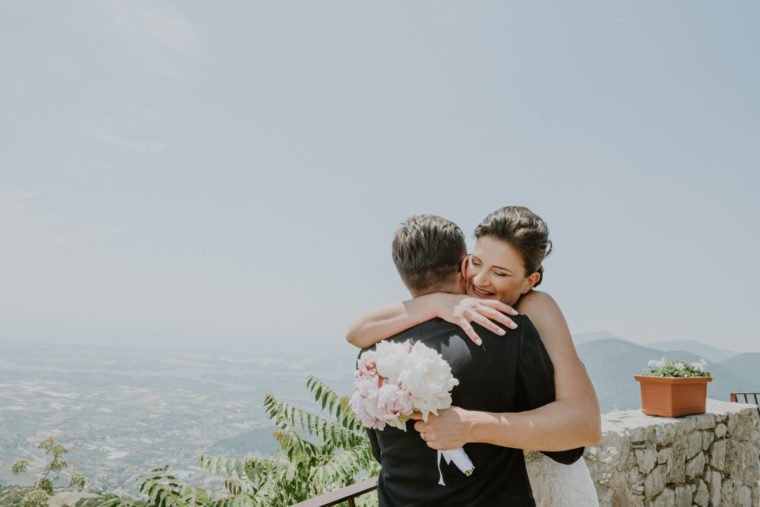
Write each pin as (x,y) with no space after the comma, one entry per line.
(506,261)
(495,270)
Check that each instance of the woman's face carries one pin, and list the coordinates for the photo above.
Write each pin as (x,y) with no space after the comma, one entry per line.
(495,270)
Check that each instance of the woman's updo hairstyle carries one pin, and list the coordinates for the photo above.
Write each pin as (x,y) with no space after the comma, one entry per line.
(523,230)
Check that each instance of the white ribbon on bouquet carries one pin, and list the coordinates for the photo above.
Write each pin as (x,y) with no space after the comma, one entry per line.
(460,459)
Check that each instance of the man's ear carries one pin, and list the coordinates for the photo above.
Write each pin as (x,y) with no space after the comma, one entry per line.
(532,281)
(463,266)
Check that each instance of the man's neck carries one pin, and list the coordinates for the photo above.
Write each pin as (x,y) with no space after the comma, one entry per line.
(450,288)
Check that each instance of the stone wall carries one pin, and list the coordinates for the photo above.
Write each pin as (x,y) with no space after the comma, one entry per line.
(709,459)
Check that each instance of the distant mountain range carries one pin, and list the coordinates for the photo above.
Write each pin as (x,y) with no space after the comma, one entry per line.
(598,335)
(707,351)
(612,363)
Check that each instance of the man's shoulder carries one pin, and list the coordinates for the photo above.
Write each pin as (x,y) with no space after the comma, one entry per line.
(437,329)
(425,329)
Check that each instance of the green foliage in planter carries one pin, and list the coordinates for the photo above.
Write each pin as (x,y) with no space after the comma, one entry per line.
(676,368)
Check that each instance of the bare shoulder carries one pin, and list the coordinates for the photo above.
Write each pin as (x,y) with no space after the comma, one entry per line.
(537,304)
(548,319)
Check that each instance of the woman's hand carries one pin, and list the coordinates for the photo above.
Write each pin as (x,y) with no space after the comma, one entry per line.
(461,310)
(450,429)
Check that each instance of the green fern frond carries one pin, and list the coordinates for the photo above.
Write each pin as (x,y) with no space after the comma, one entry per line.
(341,468)
(325,430)
(162,490)
(234,501)
(337,406)
(317,453)
(296,448)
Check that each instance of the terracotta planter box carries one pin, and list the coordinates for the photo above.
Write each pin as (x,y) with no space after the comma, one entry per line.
(673,396)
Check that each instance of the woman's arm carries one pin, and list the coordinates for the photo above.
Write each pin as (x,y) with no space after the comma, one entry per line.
(572,420)
(458,309)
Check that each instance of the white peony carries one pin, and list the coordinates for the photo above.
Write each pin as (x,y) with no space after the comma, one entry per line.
(398,379)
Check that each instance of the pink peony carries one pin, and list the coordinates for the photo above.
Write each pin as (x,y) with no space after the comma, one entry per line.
(357,404)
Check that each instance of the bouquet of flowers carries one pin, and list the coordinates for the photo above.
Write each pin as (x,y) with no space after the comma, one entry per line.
(676,368)
(397,379)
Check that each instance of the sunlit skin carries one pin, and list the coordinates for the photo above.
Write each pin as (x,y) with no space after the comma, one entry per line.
(496,270)
(495,274)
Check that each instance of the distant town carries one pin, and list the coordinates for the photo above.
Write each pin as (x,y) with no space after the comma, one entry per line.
(126,411)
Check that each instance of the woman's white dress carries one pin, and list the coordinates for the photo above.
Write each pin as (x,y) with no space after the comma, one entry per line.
(555,484)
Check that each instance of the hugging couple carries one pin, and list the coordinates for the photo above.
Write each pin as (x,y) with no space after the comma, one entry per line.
(520,388)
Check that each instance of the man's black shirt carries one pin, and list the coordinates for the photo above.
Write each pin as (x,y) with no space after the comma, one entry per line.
(510,373)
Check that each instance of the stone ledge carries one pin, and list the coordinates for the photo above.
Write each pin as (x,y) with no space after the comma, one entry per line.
(705,460)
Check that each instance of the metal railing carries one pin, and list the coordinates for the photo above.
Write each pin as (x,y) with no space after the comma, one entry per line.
(341,495)
(746,397)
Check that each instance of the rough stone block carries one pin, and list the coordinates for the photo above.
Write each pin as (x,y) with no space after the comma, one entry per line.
(693,444)
(664,434)
(743,496)
(676,467)
(727,492)
(683,496)
(618,481)
(685,425)
(666,499)
(707,439)
(733,455)
(605,495)
(713,487)
(718,455)
(664,455)
(609,455)
(655,481)
(641,434)
(646,460)
(695,466)
(720,430)
(743,428)
(731,423)
(635,481)
(701,495)
(704,421)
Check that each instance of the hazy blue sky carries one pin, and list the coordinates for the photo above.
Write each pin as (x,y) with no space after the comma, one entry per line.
(217,173)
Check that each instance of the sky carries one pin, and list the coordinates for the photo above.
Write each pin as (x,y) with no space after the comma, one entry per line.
(230,175)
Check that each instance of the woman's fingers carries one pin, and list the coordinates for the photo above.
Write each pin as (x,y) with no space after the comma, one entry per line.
(497,316)
(464,310)
(469,331)
(498,305)
(488,324)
